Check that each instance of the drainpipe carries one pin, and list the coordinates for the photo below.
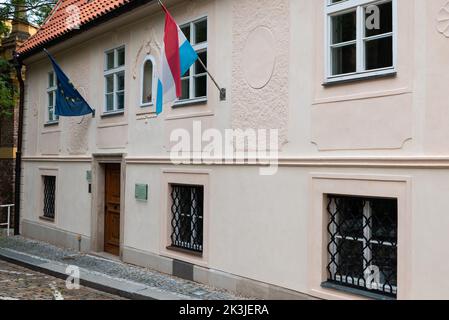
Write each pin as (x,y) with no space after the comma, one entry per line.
(18,67)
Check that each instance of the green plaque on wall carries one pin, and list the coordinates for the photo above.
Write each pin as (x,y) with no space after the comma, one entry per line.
(89,176)
(141,192)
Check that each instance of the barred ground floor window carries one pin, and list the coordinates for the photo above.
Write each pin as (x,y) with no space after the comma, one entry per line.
(49,197)
(362,243)
(187,217)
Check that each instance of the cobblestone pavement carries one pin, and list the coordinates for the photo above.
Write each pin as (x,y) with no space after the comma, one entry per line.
(117,269)
(18,283)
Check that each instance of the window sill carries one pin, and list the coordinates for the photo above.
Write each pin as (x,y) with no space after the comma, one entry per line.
(51,124)
(146,105)
(355,291)
(190,102)
(47,219)
(185,251)
(112,114)
(389,73)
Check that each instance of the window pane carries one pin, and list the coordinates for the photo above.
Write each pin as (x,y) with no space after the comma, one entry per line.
(379,53)
(147,90)
(201,31)
(120,81)
(121,100)
(110,84)
(50,114)
(350,258)
(185,84)
(110,102)
(384,220)
(51,98)
(198,67)
(385,20)
(110,60)
(385,258)
(350,217)
(120,57)
(51,79)
(186,31)
(344,60)
(344,27)
(200,86)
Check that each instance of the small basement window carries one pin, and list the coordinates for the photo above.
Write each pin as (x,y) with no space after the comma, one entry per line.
(187,217)
(362,247)
(49,197)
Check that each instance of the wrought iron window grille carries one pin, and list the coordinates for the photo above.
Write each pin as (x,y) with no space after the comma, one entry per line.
(362,244)
(49,196)
(187,217)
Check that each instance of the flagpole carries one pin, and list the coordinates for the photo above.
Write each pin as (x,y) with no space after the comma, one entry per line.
(221,90)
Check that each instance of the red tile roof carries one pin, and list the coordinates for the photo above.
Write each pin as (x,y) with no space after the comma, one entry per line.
(56,26)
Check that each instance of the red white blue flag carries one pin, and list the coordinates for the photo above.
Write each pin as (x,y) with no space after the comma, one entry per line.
(177,57)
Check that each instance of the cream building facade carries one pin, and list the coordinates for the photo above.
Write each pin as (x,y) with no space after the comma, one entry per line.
(363,175)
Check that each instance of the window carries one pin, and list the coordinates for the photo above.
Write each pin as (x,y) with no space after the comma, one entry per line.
(362,244)
(194,82)
(49,197)
(148,82)
(51,98)
(114,75)
(187,217)
(361,38)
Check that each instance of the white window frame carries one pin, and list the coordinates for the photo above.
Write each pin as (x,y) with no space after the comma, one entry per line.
(154,83)
(203,46)
(54,119)
(115,71)
(359,5)
(367,254)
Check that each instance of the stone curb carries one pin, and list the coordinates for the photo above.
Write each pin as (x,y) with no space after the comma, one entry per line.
(101,282)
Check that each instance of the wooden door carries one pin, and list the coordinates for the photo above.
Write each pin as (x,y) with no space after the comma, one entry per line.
(112,209)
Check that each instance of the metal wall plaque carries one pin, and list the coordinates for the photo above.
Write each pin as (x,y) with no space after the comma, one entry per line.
(141,192)
(89,176)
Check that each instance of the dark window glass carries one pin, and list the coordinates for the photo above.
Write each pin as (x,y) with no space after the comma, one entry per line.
(185,83)
(385,19)
(379,53)
(200,86)
(186,31)
(201,31)
(344,60)
(344,27)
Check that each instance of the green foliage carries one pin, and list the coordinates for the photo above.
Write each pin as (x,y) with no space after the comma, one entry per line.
(7,90)
(34,11)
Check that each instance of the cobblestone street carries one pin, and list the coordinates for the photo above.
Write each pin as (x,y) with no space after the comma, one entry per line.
(115,270)
(18,283)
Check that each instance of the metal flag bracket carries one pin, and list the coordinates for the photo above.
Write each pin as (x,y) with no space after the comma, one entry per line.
(220,89)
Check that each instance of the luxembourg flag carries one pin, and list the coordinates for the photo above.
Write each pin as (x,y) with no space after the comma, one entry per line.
(177,57)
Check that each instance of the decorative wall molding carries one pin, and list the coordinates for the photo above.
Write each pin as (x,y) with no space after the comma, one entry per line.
(443,20)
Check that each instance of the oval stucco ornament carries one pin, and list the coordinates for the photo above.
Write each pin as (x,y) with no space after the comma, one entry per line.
(443,20)
(259,57)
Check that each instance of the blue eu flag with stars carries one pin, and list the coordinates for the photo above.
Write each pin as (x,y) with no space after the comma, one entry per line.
(69,102)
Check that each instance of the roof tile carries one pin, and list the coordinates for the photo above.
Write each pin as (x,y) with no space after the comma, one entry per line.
(56,24)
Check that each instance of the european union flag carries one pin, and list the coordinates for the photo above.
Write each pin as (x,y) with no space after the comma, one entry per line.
(69,102)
